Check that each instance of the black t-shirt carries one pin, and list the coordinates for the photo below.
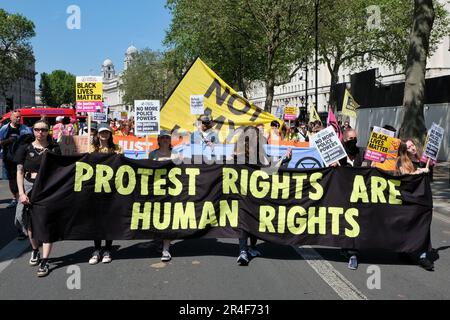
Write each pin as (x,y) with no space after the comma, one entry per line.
(31,157)
(12,132)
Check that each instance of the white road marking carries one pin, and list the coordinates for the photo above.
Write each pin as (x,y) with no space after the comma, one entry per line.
(11,251)
(343,287)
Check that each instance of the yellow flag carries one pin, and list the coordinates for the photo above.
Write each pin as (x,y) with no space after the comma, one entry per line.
(313,115)
(349,106)
(228,109)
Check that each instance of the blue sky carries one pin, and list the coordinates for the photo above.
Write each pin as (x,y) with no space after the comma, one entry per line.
(108,28)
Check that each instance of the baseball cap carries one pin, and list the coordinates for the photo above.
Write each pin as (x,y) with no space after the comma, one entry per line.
(59,118)
(164,133)
(104,127)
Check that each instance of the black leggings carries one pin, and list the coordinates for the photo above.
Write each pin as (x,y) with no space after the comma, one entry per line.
(98,245)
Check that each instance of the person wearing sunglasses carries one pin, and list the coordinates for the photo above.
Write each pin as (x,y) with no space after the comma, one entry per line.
(29,158)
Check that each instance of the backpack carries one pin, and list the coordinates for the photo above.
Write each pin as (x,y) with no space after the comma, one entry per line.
(12,149)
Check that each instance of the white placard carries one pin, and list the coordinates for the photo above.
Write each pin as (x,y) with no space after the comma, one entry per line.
(197,104)
(146,117)
(329,146)
(101,116)
(434,139)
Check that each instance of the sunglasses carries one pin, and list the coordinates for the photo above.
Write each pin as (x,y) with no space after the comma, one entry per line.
(40,129)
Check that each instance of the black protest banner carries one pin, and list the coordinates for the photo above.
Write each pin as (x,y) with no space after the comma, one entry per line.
(95,196)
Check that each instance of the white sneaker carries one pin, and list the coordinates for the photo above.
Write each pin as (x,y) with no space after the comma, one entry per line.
(34,260)
(95,258)
(166,256)
(106,257)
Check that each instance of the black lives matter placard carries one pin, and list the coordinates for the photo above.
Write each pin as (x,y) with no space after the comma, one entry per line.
(147,117)
(97,196)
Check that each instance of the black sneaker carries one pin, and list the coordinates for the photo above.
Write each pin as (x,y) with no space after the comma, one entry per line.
(43,269)
(426,264)
(34,260)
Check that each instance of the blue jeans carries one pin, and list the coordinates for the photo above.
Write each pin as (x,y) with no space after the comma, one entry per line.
(243,242)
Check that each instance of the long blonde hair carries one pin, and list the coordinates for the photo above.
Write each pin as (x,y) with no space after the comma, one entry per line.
(404,163)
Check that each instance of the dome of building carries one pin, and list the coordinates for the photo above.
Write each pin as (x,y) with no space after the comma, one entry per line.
(131,50)
(107,63)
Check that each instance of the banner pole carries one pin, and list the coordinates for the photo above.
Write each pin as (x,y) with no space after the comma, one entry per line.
(89,132)
(147,151)
(290,134)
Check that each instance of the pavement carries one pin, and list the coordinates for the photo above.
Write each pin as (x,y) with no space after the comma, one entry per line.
(206,269)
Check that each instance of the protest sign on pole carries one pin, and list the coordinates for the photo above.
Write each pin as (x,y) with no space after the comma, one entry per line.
(329,146)
(89,94)
(379,144)
(100,116)
(197,104)
(290,113)
(147,117)
(349,106)
(434,139)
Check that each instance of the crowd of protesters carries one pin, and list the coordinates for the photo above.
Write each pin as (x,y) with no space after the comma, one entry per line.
(22,166)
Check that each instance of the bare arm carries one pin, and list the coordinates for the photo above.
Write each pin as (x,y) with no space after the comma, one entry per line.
(20,184)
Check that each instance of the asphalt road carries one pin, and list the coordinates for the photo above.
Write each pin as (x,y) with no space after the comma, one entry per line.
(206,269)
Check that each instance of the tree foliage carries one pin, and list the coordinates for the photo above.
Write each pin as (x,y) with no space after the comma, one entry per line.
(147,77)
(351,35)
(16,53)
(57,88)
(243,40)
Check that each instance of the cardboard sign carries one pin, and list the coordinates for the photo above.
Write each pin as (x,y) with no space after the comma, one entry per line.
(89,94)
(329,146)
(147,117)
(379,144)
(71,145)
(290,113)
(197,104)
(434,140)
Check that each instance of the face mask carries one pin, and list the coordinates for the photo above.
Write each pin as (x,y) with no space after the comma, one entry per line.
(351,147)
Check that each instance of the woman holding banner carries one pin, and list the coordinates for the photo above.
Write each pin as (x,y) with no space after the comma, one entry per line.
(163,153)
(404,167)
(29,158)
(103,143)
(250,151)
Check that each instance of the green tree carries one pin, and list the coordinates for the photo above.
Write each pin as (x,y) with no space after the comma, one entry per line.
(346,37)
(244,40)
(147,77)
(16,53)
(57,88)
